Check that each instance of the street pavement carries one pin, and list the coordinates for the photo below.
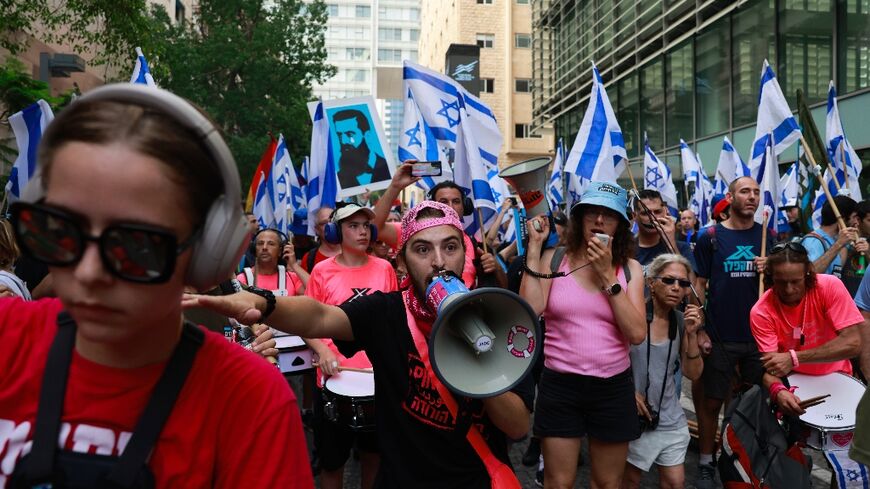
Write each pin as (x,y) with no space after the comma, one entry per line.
(526,475)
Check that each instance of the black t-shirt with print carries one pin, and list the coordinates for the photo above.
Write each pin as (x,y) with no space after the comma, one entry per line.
(421,444)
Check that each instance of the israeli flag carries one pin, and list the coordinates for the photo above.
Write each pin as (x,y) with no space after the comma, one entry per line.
(693,172)
(463,123)
(789,194)
(554,187)
(263,201)
(730,167)
(282,166)
(774,119)
(322,188)
(141,73)
(657,176)
(297,205)
(417,142)
(599,150)
(843,156)
(28,126)
(768,181)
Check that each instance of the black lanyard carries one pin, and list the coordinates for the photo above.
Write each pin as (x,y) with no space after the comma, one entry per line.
(41,466)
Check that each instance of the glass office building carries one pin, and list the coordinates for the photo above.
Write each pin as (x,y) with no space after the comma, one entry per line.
(691,69)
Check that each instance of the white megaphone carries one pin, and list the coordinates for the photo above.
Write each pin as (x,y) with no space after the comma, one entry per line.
(484,341)
(529,179)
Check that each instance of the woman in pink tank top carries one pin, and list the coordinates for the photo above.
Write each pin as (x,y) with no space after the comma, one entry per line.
(593,313)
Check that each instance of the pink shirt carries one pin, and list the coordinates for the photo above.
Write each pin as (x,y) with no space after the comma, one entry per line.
(582,336)
(829,308)
(335,284)
(270,282)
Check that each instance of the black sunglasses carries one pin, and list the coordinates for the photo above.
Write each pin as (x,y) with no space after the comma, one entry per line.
(671,281)
(130,251)
(795,246)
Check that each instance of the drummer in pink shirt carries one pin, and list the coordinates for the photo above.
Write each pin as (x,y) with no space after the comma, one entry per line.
(335,281)
(805,323)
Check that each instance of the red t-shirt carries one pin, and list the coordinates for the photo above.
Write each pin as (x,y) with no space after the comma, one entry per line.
(270,282)
(234,412)
(829,308)
(318,257)
(335,284)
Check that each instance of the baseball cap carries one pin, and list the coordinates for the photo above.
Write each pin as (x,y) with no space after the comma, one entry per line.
(351,209)
(605,194)
(720,203)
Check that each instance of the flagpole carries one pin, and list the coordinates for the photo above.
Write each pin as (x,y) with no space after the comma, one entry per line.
(816,170)
(763,253)
(631,176)
(833,173)
(482,230)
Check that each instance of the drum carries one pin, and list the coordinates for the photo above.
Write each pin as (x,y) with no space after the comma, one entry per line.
(294,356)
(830,425)
(349,399)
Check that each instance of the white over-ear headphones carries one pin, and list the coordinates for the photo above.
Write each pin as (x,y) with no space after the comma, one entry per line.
(224,234)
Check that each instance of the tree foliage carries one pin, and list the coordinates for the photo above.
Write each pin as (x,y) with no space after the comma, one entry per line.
(111,25)
(250,65)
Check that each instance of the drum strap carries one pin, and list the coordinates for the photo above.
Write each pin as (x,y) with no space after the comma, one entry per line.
(501,476)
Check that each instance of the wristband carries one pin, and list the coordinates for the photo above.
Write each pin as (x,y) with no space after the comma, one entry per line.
(776,389)
(265,294)
(794,358)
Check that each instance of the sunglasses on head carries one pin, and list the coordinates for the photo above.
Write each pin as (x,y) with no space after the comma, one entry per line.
(671,281)
(130,251)
(795,246)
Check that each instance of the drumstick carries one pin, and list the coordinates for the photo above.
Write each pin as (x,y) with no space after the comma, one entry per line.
(349,369)
(814,400)
(806,406)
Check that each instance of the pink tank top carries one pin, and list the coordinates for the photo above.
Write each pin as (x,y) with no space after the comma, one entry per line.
(582,336)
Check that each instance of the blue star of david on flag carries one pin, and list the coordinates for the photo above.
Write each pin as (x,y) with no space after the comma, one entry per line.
(445,112)
(412,135)
(653,177)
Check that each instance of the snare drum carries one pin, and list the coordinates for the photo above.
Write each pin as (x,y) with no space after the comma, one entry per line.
(830,425)
(294,356)
(349,400)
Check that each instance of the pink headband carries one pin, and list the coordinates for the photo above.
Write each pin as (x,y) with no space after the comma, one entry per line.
(411,226)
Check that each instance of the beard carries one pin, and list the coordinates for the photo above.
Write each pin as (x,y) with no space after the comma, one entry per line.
(355,154)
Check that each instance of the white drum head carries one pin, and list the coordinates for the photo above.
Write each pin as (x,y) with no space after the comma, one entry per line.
(838,411)
(351,384)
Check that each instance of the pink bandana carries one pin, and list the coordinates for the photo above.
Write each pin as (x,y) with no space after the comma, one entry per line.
(411,226)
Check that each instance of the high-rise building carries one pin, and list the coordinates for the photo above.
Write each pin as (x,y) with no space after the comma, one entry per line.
(503,30)
(367,40)
(691,69)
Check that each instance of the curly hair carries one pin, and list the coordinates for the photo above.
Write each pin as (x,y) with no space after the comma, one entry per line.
(623,241)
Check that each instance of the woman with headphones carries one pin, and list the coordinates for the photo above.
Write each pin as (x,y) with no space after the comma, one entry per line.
(107,386)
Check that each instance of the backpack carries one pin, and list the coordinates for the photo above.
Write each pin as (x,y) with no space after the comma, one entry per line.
(756,452)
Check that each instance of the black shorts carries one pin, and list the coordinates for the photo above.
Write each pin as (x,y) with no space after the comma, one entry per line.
(334,441)
(573,405)
(719,368)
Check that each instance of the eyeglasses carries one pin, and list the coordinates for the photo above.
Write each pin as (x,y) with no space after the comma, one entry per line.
(133,252)
(671,281)
(607,215)
(795,246)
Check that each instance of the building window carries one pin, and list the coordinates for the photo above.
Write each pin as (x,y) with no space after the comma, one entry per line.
(854,47)
(357,54)
(524,131)
(389,34)
(332,9)
(363,11)
(652,103)
(522,85)
(522,2)
(522,41)
(415,34)
(484,2)
(753,40)
(806,42)
(485,40)
(356,75)
(712,79)
(391,55)
(487,85)
(627,113)
(179,13)
(679,95)
(414,14)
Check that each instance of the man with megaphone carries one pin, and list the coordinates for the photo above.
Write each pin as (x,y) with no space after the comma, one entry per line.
(429,437)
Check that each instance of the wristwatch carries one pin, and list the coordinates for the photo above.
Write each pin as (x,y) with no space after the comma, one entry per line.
(612,290)
(265,294)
